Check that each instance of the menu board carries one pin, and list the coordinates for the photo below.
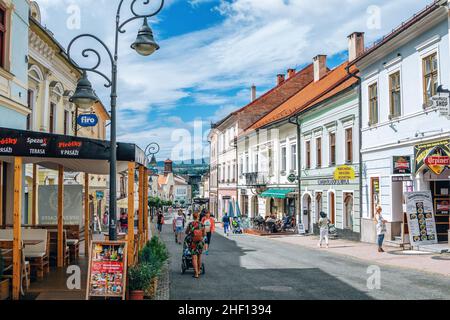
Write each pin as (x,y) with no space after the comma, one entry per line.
(421,220)
(107,269)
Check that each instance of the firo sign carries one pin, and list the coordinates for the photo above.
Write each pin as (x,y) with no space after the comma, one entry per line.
(87,120)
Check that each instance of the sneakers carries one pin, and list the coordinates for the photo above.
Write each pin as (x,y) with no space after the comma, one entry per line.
(380,250)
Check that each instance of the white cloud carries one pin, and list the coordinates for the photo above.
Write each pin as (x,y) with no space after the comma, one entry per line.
(256,40)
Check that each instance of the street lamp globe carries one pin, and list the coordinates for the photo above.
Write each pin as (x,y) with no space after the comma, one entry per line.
(145,44)
(84,96)
(153,162)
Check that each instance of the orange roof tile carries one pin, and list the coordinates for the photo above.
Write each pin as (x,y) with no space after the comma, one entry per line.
(332,83)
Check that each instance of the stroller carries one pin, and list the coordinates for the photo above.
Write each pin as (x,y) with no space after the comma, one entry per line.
(236,226)
(186,259)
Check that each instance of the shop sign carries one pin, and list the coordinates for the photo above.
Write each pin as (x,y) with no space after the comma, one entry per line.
(344,173)
(442,104)
(99,194)
(420,216)
(401,178)
(434,155)
(332,182)
(107,269)
(292,178)
(87,120)
(301,228)
(401,165)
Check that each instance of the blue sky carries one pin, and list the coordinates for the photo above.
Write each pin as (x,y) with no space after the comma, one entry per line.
(212,51)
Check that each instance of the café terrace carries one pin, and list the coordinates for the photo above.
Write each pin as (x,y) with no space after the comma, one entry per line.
(64,154)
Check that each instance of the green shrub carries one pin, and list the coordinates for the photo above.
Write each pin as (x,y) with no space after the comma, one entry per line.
(140,277)
(154,250)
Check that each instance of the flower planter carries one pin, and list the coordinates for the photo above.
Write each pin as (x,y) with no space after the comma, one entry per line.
(136,295)
(4,289)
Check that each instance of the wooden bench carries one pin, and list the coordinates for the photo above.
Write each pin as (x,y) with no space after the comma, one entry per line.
(39,254)
(6,247)
(72,238)
(54,247)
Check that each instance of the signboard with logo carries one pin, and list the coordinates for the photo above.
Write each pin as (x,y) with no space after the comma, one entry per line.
(344,173)
(292,178)
(420,216)
(401,165)
(87,120)
(332,182)
(434,155)
(107,270)
(441,102)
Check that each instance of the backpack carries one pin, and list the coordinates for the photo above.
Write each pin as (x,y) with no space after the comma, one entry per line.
(197,234)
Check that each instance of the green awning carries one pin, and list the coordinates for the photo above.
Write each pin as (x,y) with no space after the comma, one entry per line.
(276,193)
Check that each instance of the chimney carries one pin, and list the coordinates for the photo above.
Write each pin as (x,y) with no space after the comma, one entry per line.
(355,45)
(168,167)
(291,73)
(253,93)
(280,79)
(320,67)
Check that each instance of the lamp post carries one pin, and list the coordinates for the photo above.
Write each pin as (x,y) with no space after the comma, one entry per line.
(150,151)
(84,96)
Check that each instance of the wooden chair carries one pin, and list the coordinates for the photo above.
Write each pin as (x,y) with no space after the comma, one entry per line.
(6,247)
(54,247)
(37,255)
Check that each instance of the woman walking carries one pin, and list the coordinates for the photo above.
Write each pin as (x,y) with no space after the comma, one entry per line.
(381,227)
(160,221)
(195,234)
(210,228)
(323,225)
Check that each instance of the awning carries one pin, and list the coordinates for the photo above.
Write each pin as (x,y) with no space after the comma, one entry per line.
(75,154)
(276,193)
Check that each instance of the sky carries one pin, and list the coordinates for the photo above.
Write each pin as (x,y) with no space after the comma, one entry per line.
(212,52)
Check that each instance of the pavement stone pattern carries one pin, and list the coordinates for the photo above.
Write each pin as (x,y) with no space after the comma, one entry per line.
(163,291)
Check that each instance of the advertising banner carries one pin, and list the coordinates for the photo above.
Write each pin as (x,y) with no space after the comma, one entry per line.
(73,204)
(401,165)
(434,156)
(420,216)
(107,269)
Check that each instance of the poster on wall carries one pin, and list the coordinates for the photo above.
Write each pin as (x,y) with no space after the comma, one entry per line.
(262,207)
(421,220)
(73,204)
(107,270)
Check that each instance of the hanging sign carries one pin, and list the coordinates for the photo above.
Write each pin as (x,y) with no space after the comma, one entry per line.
(401,165)
(434,155)
(344,173)
(87,120)
(420,216)
(442,104)
(107,270)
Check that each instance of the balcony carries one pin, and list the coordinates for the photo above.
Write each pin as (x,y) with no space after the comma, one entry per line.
(256,179)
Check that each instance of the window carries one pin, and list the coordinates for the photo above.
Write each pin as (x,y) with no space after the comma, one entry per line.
(373,104)
(308,154)
(66,122)
(430,77)
(2,36)
(395,109)
(283,159)
(270,162)
(52,118)
(247,160)
(332,149)
(319,152)
(30,106)
(349,145)
(241,166)
(294,157)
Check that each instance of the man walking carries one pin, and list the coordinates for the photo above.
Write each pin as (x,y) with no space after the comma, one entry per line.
(226,224)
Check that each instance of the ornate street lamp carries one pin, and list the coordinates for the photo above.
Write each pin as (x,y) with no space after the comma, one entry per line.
(85,97)
(150,151)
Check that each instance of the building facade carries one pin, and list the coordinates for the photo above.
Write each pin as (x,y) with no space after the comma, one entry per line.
(401,128)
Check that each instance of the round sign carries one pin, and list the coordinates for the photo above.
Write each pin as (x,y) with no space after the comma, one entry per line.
(87,120)
(292,177)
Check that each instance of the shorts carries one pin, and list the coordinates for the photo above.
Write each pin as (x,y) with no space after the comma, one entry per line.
(179,229)
(208,237)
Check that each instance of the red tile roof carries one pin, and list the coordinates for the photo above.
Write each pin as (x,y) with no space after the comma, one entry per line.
(332,83)
(273,98)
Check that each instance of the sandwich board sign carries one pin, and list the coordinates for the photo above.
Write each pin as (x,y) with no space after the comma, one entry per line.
(301,228)
(420,216)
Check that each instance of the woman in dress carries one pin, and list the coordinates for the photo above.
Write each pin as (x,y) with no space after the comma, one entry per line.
(195,237)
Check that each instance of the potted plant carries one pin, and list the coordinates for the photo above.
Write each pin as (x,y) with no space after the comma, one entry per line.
(139,278)
(154,254)
(4,283)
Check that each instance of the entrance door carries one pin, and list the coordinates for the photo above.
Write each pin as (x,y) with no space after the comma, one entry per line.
(307,212)
(348,210)
(332,208)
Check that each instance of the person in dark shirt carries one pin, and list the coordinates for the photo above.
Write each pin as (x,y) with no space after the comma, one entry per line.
(160,221)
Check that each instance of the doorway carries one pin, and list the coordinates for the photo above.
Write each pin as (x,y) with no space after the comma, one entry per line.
(348,210)
(307,212)
(332,207)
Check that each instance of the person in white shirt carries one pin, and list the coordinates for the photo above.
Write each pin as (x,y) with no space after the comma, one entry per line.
(179,226)
(323,226)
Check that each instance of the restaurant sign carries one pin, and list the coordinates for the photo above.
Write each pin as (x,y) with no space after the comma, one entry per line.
(344,173)
(401,165)
(420,216)
(434,156)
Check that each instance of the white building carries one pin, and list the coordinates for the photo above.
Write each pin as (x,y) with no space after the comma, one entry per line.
(401,129)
